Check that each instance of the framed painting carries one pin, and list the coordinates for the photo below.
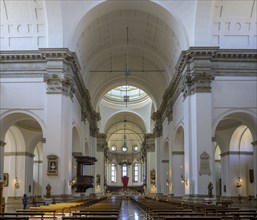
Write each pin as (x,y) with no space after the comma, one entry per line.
(52,167)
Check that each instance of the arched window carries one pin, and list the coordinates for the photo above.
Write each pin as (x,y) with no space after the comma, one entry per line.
(113,172)
(124,170)
(135,172)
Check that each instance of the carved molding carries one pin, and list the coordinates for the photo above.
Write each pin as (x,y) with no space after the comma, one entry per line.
(19,154)
(2,143)
(236,153)
(254,143)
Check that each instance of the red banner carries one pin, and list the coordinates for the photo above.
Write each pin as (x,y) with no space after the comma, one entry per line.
(125,180)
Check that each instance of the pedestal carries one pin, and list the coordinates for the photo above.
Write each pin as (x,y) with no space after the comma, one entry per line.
(48,200)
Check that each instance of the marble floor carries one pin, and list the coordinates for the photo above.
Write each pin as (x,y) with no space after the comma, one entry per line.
(129,211)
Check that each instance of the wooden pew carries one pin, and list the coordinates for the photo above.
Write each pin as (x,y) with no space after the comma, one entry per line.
(47,213)
(14,217)
(192,217)
(23,214)
(109,217)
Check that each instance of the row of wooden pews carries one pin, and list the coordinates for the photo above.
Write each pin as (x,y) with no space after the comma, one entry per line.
(106,209)
(185,210)
(50,211)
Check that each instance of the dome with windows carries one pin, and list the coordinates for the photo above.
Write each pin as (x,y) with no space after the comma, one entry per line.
(126,94)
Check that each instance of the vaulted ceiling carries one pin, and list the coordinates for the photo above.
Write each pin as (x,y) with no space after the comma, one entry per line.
(153,44)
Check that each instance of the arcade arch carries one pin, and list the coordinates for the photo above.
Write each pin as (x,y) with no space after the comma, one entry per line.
(234,137)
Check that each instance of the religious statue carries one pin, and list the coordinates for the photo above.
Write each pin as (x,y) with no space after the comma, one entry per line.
(48,191)
(210,187)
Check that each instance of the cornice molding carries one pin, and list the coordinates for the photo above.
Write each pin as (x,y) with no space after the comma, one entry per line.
(63,79)
(238,153)
(19,154)
(197,67)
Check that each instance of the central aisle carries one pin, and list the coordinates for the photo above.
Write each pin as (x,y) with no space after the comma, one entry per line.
(129,211)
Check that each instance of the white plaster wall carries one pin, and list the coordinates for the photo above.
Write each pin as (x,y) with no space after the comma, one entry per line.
(23,25)
(22,93)
(238,94)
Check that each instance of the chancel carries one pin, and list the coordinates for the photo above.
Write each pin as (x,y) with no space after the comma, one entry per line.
(162,94)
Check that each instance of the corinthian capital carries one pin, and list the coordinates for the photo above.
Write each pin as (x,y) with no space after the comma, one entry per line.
(59,84)
(199,81)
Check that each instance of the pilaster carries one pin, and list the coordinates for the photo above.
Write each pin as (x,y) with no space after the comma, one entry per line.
(2,144)
(254,144)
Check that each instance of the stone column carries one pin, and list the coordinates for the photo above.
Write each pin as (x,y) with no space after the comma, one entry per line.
(254,143)
(199,152)
(58,125)
(1,195)
(2,143)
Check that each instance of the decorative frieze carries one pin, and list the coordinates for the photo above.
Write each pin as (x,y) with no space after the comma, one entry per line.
(158,124)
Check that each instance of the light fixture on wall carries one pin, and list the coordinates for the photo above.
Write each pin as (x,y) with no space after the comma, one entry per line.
(239,182)
(183,180)
(72,181)
(16,183)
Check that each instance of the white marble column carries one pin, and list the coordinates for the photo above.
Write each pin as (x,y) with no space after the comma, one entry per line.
(254,143)
(58,127)
(159,180)
(199,152)
(2,143)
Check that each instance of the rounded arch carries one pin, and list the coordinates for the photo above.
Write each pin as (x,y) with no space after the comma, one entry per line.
(179,139)
(14,139)
(241,139)
(165,152)
(86,149)
(245,117)
(112,83)
(132,117)
(92,12)
(11,117)
(75,140)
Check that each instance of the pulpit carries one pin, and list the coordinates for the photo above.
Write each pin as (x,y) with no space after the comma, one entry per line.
(84,181)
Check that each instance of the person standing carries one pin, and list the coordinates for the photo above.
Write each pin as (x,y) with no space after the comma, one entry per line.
(25,200)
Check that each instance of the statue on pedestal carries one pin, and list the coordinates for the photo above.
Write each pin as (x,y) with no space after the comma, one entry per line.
(48,191)
(210,187)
